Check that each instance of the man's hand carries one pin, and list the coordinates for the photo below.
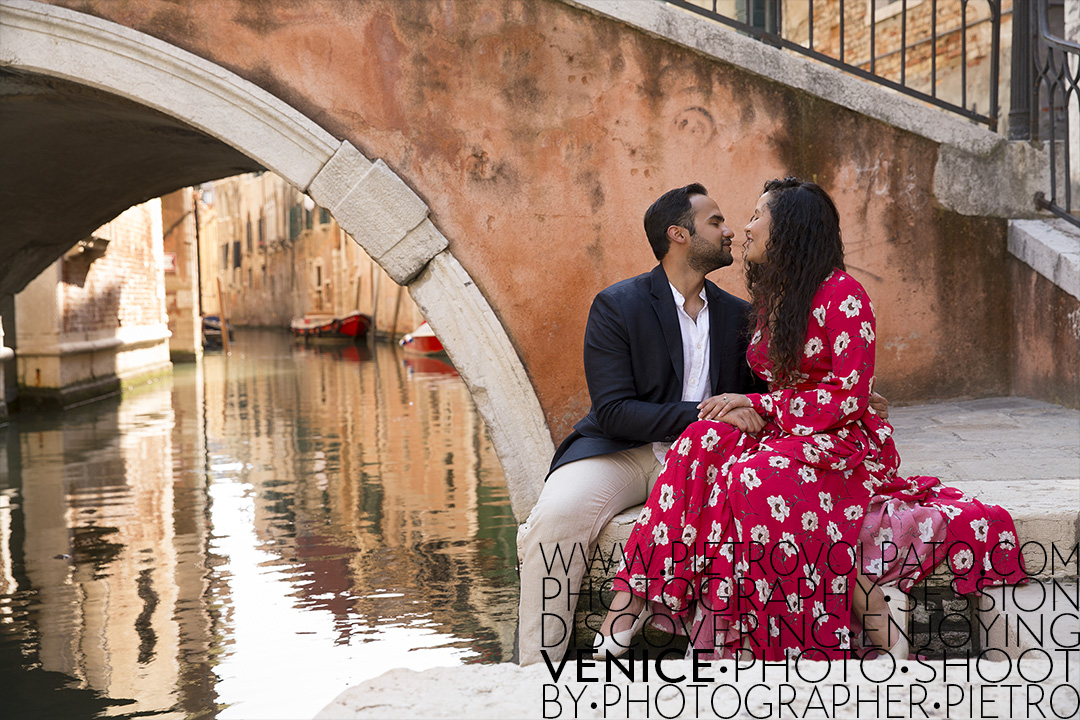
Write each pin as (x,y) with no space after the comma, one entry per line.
(715,407)
(732,408)
(878,402)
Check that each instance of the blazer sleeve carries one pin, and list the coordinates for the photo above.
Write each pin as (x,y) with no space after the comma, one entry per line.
(609,370)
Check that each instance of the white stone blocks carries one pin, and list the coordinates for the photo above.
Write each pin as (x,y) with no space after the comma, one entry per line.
(1051,248)
(382,213)
(338,176)
(406,259)
(379,210)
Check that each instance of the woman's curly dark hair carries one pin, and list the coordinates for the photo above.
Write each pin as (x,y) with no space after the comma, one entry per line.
(803,247)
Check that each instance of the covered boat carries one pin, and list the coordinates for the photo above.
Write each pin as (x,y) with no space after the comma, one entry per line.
(348,327)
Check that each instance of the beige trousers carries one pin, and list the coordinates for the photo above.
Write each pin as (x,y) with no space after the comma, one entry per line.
(577,501)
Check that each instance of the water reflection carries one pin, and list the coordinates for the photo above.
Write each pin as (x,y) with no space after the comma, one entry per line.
(250,538)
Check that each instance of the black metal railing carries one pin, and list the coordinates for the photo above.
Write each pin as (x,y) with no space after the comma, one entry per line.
(877,61)
(1056,91)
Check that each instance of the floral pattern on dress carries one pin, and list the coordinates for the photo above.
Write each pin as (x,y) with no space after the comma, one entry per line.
(771,526)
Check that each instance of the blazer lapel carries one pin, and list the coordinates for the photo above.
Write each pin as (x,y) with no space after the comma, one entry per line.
(664,305)
(718,332)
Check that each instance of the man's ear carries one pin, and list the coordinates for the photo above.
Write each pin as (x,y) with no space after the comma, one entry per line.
(677,234)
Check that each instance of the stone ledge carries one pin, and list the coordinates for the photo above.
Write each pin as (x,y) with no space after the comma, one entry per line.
(1051,248)
(817,690)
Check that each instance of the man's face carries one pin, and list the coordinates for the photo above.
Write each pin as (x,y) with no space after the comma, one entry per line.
(710,244)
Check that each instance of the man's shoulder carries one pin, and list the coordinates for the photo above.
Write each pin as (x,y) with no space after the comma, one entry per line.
(638,286)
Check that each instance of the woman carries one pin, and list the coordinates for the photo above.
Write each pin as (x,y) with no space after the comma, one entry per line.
(751,538)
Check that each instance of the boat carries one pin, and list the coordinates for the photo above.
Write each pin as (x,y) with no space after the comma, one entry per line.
(211,328)
(422,341)
(347,327)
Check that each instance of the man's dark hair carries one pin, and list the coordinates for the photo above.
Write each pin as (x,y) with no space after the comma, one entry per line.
(671,208)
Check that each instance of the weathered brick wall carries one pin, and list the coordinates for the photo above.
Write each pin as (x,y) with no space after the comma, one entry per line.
(124,287)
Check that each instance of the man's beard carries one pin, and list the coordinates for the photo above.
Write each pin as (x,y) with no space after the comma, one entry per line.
(705,258)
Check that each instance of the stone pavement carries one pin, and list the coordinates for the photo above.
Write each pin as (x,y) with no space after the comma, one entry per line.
(875,689)
(1019,453)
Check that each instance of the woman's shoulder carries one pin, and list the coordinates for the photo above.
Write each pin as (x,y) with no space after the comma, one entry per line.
(839,282)
(840,293)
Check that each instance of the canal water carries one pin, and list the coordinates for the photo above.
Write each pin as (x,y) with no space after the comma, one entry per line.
(249,537)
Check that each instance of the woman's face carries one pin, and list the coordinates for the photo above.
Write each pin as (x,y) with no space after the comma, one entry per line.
(757,232)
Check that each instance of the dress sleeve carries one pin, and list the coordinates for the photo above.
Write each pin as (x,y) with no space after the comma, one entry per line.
(843,394)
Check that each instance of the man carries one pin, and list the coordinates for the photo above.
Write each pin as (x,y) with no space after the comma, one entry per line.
(656,346)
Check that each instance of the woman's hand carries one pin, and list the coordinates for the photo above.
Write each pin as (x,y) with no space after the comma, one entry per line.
(732,408)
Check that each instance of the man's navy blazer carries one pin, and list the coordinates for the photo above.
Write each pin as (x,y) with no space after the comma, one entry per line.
(634,365)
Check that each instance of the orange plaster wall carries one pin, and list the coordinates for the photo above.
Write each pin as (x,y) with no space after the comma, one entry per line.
(538,134)
(1046,321)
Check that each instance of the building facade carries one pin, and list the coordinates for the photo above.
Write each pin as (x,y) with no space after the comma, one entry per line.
(95,319)
(275,256)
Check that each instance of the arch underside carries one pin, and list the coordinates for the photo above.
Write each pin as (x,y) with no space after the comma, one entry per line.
(96,117)
(75,158)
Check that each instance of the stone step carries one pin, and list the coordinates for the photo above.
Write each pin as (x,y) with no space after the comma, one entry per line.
(1015,452)
(1051,248)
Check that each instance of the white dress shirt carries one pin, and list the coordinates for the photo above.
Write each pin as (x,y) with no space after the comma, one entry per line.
(695,347)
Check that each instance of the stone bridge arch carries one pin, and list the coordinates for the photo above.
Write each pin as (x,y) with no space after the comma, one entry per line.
(367,198)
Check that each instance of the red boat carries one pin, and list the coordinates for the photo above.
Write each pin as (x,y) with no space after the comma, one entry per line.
(349,327)
(422,341)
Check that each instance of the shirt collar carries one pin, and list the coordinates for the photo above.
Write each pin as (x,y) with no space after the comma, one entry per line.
(680,301)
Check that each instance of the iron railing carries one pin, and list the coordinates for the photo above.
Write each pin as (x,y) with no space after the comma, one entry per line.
(1057,89)
(763,19)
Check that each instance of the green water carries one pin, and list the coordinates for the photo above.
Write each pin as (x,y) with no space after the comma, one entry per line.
(249,537)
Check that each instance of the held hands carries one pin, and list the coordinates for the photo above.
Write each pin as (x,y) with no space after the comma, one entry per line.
(733,409)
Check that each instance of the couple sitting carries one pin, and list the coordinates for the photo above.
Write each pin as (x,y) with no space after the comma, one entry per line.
(774,514)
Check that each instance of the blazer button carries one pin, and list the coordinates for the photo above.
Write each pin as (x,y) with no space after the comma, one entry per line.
(669,438)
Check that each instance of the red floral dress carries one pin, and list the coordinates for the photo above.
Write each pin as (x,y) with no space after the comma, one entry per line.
(752,540)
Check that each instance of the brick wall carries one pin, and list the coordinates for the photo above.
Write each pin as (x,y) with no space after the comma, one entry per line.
(123,287)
